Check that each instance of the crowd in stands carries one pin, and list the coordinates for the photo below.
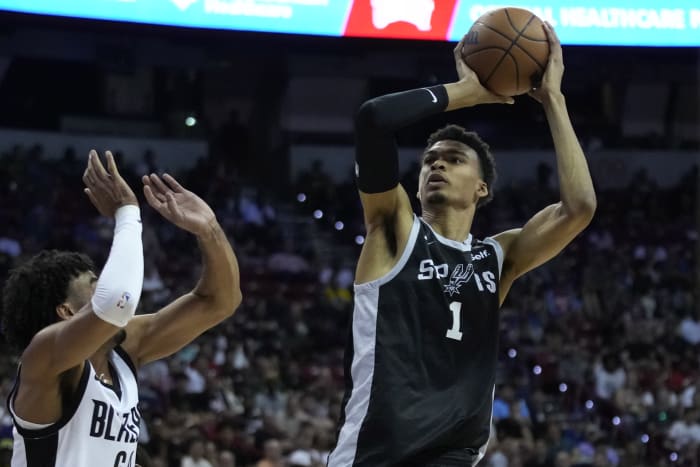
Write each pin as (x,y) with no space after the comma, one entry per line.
(599,348)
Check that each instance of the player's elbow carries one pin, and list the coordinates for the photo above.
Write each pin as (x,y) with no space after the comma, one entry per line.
(583,210)
(368,116)
(236,300)
(227,305)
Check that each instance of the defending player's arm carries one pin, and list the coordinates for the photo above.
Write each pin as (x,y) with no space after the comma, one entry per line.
(68,343)
(387,208)
(551,229)
(215,297)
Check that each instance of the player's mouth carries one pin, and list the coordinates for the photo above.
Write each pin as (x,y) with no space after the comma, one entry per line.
(436,179)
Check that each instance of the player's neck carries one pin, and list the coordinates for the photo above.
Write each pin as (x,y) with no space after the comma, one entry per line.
(454,224)
(100,358)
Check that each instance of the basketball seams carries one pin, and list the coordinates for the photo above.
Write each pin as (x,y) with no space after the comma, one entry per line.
(502,44)
(513,42)
(521,33)
(527,52)
(488,47)
(512,24)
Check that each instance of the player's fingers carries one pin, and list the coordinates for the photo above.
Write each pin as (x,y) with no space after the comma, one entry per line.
(89,194)
(503,99)
(85,176)
(89,177)
(112,164)
(551,32)
(458,48)
(158,184)
(88,169)
(97,166)
(552,38)
(154,202)
(172,205)
(174,185)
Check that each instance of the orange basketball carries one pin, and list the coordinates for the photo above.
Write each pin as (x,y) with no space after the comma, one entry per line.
(508,50)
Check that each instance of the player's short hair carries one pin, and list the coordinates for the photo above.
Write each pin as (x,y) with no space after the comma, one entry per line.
(474,141)
(34,289)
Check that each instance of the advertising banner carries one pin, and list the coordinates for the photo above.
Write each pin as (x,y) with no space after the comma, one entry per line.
(582,22)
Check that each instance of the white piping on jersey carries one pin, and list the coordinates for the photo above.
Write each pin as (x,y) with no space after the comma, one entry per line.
(29,425)
(466,245)
(408,249)
(364,331)
(499,252)
(482,449)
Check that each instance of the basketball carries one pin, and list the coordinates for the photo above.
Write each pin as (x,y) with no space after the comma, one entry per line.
(508,50)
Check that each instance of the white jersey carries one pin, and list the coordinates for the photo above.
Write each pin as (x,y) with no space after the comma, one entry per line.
(99,427)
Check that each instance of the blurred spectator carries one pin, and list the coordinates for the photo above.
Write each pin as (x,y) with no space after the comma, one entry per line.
(272,455)
(195,455)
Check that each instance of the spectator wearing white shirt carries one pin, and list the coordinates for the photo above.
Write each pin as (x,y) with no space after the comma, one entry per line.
(687,430)
(195,455)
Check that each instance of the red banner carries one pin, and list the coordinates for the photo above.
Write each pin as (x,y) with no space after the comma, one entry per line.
(401,19)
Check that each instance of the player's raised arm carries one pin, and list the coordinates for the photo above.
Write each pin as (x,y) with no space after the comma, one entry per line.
(379,118)
(81,332)
(551,229)
(387,208)
(215,297)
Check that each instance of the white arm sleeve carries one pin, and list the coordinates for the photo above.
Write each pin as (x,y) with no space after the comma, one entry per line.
(119,286)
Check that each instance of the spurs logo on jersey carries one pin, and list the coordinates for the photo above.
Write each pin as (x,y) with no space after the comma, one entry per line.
(485,281)
(459,276)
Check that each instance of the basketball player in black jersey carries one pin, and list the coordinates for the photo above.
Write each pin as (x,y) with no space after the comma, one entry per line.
(420,367)
(75,398)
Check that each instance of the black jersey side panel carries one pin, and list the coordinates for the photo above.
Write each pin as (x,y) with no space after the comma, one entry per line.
(41,452)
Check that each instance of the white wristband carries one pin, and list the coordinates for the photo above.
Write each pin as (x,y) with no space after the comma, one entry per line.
(119,287)
(127,214)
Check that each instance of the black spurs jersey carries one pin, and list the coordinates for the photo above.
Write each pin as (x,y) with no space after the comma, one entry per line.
(421,364)
(99,428)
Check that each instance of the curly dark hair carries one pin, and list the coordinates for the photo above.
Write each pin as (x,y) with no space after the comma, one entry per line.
(34,289)
(474,141)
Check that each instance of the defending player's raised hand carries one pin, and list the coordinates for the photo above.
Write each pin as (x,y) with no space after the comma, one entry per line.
(106,188)
(551,80)
(178,205)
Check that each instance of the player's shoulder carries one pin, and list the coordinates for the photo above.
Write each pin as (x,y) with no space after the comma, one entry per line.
(503,239)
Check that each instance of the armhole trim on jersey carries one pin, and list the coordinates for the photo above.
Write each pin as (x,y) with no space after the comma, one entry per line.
(119,350)
(408,249)
(499,252)
(53,428)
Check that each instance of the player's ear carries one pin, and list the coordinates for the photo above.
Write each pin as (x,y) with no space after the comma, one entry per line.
(64,311)
(418,195)
(482,189)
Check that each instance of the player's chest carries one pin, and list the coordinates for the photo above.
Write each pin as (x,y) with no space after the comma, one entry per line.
(455,273)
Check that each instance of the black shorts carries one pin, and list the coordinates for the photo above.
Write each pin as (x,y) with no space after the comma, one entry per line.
(456,458)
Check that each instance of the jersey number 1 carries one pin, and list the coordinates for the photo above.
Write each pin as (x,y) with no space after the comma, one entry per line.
(454,332)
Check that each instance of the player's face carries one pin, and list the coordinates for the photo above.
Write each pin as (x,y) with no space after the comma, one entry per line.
(450,174)
(80,290)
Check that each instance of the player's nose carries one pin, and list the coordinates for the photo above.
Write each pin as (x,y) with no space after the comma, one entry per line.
(438,164)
